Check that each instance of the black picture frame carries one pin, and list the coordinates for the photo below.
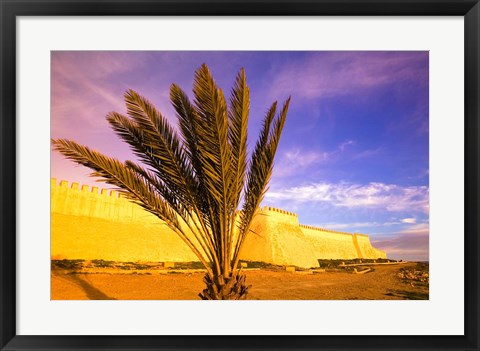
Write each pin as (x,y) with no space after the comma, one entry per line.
(10,10)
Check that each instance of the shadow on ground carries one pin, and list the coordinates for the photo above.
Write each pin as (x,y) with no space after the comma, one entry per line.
(92,292)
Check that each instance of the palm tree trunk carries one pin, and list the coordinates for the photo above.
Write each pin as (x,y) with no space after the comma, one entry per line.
(220,288)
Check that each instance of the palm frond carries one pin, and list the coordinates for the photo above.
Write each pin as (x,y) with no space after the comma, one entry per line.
(188,123)
(159,136)
(206,206)
(186,213)
(238,119)
(214,152)
(260,171)
(258,168)
(127,182)
(194,180)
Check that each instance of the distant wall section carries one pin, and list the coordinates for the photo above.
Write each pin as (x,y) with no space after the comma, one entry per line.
(366,249)
(331,244)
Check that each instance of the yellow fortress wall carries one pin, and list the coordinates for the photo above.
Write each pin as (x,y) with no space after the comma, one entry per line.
(86,224)
(277,239)
(331,245)
(90,224)
(366,250)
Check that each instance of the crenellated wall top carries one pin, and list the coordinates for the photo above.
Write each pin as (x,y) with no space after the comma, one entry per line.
(85,188)
(279,210)
(326,230)
(110,193)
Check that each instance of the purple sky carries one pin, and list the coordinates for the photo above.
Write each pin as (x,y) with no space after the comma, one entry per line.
(354,151)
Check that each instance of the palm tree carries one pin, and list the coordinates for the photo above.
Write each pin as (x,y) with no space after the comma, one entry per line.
(199,180)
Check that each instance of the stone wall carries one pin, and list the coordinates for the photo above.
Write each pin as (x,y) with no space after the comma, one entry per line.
(331,245)
(276,238)
(366,250)
(91,223)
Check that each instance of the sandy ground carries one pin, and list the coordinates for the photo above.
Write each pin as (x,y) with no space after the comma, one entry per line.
(381,284)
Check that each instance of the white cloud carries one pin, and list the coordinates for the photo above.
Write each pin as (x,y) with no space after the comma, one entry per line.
(304,159)
(390,197)
(422,174)
(408,220)
(367,153)
(343,145)
(296,160)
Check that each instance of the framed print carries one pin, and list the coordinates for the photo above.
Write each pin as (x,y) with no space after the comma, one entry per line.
(358,190)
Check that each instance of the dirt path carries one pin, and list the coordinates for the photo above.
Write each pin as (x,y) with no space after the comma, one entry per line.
(381,284)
